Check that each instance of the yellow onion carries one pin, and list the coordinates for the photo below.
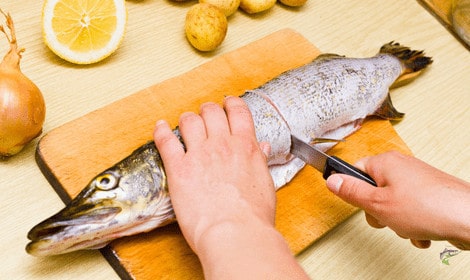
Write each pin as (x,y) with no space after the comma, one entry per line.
(22,108)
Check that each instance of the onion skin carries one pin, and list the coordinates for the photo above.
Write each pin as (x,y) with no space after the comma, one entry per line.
(22,107)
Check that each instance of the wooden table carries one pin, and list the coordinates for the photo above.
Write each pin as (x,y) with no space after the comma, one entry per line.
(436,127)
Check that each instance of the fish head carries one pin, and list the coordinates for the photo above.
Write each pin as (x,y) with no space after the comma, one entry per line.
(126,199)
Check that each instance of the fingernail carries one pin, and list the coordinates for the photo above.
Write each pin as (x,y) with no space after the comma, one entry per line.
(161,125)
(334,183)
(160,122)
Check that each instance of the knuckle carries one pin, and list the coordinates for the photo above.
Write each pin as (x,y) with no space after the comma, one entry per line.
(351,193)
(237,105)
(162,139)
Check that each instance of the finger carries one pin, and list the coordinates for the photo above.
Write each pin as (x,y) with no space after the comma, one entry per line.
(361,163)
(353,190)
(239,116)
(192,129)
(265,148)
(401,235)
(373,222)
(215,120)
(421,244)
(378,166)
(168,145)
(460,244)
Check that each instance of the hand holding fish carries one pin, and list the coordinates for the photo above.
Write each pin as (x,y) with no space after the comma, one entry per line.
(223,176)
(414,199)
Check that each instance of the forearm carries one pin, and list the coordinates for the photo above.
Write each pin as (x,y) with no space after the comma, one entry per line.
(460,235)
(440,212)
(247,251)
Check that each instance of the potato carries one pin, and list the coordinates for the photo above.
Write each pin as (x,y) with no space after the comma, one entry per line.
(227,6)
(256,6)
(293,3)
(205,26)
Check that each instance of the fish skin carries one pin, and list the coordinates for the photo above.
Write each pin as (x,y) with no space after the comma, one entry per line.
(323,88)
(331,96)
(323,101)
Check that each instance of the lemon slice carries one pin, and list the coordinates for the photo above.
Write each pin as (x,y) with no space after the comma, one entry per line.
(83,31)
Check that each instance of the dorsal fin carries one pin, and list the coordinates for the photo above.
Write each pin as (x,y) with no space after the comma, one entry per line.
(387,111)
(328,56)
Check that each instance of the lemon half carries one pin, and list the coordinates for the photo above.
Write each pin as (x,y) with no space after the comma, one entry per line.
(83,31)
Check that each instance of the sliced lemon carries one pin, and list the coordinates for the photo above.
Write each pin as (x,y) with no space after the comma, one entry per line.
(83,31)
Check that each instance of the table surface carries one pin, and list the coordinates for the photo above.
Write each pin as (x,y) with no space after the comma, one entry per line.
(436,127)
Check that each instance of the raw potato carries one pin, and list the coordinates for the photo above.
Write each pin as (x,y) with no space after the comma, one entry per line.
(256,6)
(227,6)
(205,26)
(293,3)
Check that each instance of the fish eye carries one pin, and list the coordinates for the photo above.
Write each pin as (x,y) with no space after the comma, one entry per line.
(106,181)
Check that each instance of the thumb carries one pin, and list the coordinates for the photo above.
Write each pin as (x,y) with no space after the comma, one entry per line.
(350,189)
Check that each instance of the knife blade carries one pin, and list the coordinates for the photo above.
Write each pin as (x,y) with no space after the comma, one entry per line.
(324,163)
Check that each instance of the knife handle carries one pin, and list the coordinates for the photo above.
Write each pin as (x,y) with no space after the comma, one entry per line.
(336,165)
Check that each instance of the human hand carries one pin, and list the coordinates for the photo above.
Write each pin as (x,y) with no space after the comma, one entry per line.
(223,194)
(414,199)
(222,177)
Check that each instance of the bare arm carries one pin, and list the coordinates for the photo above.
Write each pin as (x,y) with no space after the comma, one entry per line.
(414,199)
(223,194)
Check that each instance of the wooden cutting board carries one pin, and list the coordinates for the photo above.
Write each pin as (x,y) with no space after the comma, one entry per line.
(442,10)
(70,155)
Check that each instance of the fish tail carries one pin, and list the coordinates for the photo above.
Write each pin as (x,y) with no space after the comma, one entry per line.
(413,61)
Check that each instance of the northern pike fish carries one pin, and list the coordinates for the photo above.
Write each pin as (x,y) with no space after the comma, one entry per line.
(326,98)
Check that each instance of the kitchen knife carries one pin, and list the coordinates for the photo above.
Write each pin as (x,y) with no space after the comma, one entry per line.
(324,163)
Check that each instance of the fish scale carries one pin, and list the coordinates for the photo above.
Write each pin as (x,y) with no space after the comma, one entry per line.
(327,98)
(331,98)
(329,93)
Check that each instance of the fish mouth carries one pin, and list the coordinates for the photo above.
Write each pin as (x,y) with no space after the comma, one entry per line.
(71,228)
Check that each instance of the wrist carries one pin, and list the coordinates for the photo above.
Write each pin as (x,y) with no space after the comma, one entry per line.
(248,249)
(242,235)
(459,216)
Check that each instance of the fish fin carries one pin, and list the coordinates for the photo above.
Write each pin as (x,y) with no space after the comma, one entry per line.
(283,173)
(328,56)
(325,140)
(387,111)
(413,61)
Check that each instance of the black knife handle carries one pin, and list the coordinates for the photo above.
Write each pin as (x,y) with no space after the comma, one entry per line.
(337,165)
